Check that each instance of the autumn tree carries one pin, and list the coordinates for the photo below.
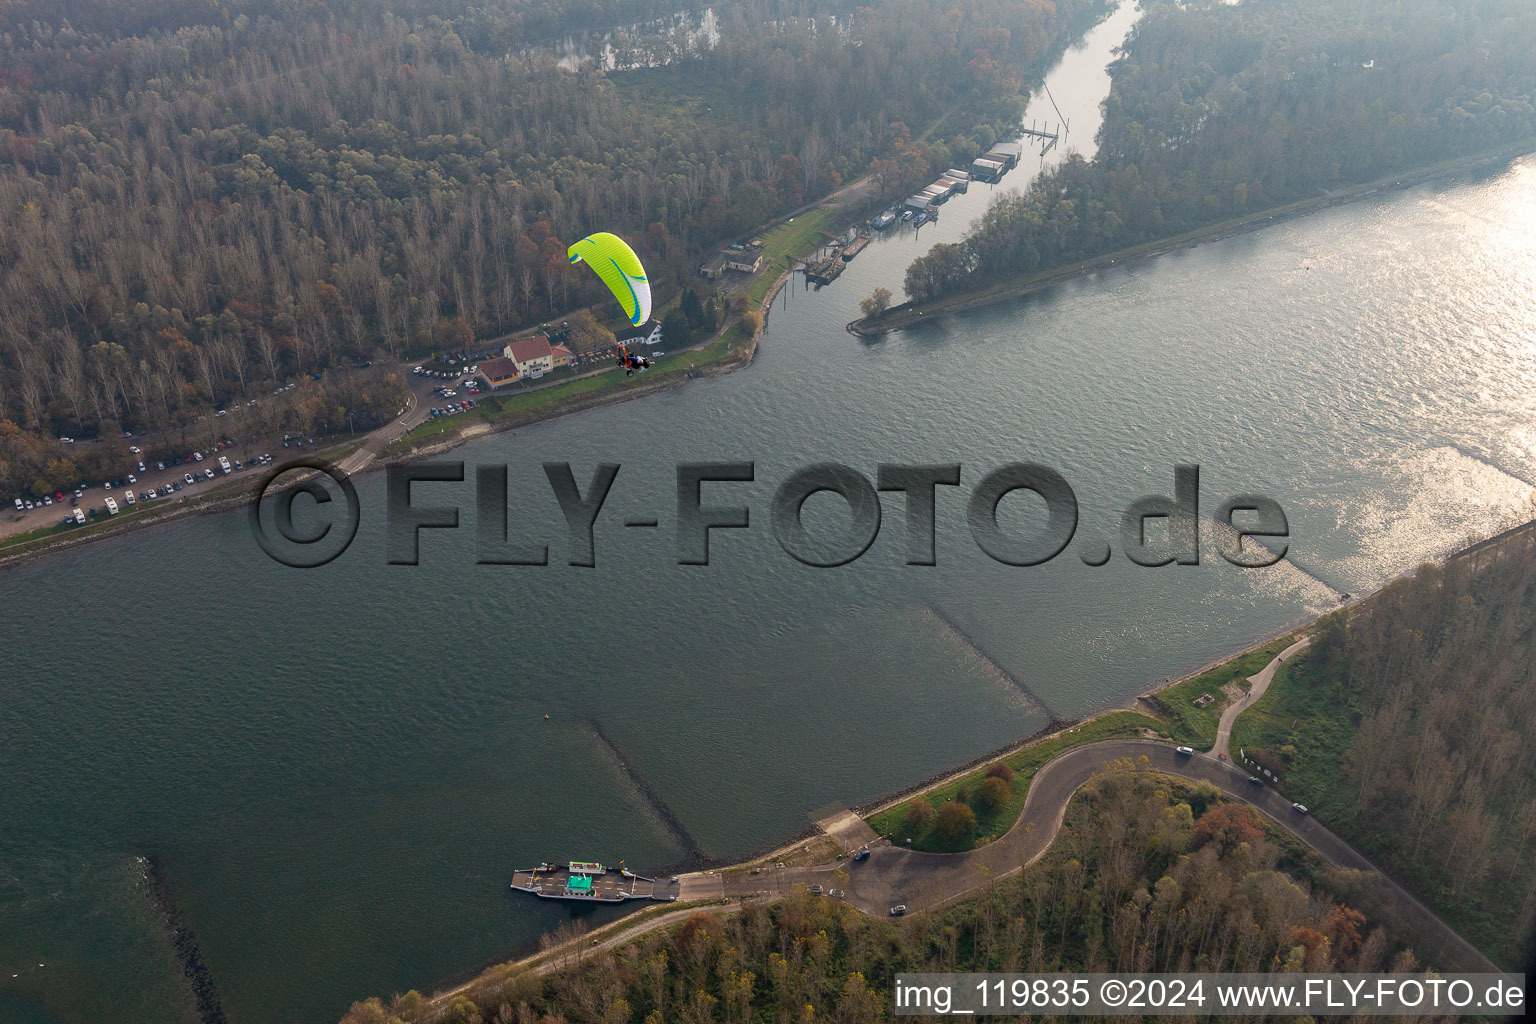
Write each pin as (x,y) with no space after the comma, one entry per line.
(955,821)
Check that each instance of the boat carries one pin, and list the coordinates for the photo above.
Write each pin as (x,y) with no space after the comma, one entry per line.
(586,881)
(855,247)
(825,271)
(922,219)
(885,220)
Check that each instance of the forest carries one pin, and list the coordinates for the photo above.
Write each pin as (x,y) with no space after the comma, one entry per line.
(1148,874)
(1218,110)
(202,199)
(1406,729)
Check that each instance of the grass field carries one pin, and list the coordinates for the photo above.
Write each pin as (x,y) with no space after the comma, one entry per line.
(790,240)
(1197,726)
(992,825)
(1309,723)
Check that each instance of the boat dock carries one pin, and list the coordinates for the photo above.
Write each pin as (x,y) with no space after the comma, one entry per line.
(586,881)
(825,271)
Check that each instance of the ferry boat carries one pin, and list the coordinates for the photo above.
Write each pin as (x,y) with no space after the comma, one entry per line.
(585,880)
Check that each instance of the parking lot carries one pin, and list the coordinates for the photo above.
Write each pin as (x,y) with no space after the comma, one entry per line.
(157,478)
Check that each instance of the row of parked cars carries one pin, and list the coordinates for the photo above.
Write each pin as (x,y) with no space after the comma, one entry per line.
(111,506)
(454,407)
(425,371)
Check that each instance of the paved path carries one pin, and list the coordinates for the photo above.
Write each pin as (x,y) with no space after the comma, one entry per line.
(1260,683)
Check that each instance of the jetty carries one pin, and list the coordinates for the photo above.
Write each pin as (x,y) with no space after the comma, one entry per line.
(586,881)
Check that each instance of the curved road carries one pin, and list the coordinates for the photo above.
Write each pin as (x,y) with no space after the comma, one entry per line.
(922,881)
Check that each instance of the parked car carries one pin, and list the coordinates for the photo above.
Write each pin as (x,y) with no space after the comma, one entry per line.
(1299,808)
(1184,751)
(898,910)
(188,478)
(129,498)
(19,506)
(197,456)
(861,856)
(134,449)
(132,479)
(816,889)
(1255,780)
(208,473)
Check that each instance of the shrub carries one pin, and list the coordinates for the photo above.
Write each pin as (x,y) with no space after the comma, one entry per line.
(956,821)
(993,793)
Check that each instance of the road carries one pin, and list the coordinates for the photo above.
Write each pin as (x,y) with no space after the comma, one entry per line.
(923,881)
(1259,683)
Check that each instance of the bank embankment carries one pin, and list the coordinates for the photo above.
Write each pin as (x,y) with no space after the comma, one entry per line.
(910,313)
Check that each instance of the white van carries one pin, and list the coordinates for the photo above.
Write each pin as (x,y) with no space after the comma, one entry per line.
(79,515)
(224,463)
(111,507)
(128,495)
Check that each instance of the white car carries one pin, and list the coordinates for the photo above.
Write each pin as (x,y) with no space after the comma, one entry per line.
(188,478)
(450,393)
(208,473)
(20,506)
(135,449)
(151,493)
(111,507)
(1299,808)
(197,456)
(1184,751)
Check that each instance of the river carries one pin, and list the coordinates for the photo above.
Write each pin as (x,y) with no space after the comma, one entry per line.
(337,769)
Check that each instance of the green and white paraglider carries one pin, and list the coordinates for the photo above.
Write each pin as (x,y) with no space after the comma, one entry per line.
(611,258)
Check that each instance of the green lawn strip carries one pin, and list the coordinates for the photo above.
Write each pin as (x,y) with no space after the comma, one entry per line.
(792,239)
(1196,726)
(1300,729)
(1025,762)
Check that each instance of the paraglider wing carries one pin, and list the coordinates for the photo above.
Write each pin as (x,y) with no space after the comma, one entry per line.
(616,263)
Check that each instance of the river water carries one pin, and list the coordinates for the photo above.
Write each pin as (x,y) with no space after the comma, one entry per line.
(339,768)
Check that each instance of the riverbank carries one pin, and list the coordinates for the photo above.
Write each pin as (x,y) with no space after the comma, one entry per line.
(908,314)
